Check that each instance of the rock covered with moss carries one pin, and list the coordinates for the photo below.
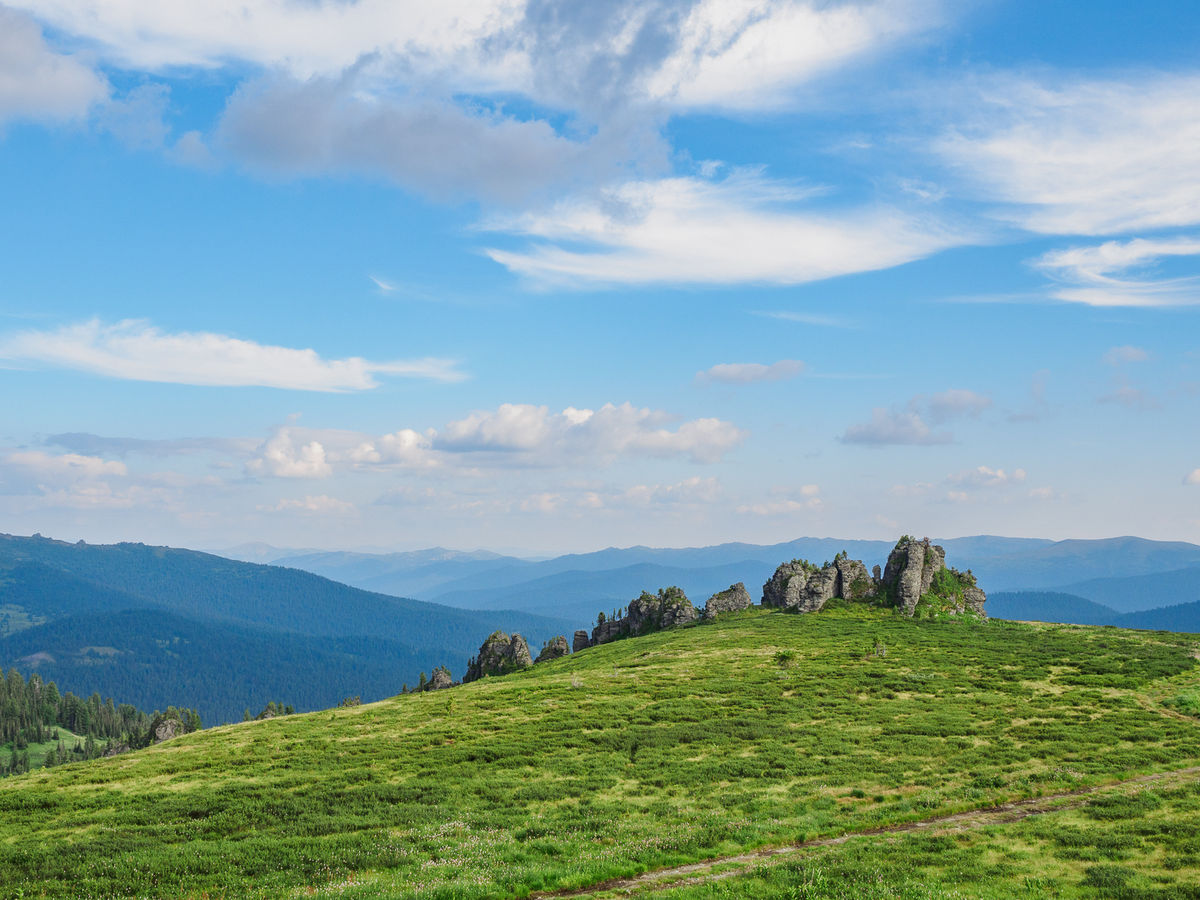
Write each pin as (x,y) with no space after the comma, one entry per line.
(669,608)
(909,572)
(580,641)
(499,655)
(803,586)
(736,597)
(554,648)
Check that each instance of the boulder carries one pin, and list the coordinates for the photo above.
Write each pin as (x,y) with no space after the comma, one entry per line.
(553,649)
(580,641)
(439,680)
(650,612)
(499,655)
(909,571)
(166,729)
(731,600)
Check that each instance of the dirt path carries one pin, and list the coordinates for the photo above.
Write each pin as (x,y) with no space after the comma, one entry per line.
(695,873)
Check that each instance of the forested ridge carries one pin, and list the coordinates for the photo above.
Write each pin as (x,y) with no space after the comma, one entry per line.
(158,625)
(34,712)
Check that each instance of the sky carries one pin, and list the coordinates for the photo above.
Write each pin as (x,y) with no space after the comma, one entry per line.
(547,276)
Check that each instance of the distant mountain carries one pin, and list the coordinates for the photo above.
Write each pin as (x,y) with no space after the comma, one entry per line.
(1048,606)
(585,583)
(1142,592)
(54,593)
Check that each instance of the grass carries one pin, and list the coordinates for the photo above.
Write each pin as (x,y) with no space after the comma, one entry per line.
(761,728)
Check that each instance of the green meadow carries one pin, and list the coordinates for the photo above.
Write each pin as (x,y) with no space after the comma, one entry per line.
(758,730)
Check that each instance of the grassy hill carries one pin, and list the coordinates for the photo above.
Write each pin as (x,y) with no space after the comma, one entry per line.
(761,730)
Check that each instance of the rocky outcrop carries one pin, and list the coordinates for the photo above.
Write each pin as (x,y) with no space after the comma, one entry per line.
(801,586)
(853,582)
(439,680)
(974,597)
(580,641)
(731,600)
(499,655)
(909,572)
(553,649)
(669,608)
(166,729)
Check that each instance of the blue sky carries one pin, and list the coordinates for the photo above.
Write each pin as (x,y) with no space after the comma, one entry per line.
(551,276)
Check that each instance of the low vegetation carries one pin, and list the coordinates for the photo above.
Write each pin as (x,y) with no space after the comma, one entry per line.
(758,729)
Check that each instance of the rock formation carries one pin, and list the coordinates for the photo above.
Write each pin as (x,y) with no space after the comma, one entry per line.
(553,649)
(581,641)
(439,680)
(731,600)
(166,729)
(669,608)
(499,655)
(909,572)
(915,578)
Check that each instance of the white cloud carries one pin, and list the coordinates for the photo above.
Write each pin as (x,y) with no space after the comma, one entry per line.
(542,436)
(1098,275)
(283,457)
(38,83)
(785,501)
(1193,477)
(405,447)
(694,491)
(749,54)
(65,466)
(138,351)
(688,230)
(987,477)
(1089,157)
(748,373)
(1127,353)
(1125,394)
(321,504)
(894,427)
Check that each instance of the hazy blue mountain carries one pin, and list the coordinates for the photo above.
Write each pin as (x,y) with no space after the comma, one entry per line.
(1049,606)
(57,595)
(581,594)
(1142,592)
(456,579)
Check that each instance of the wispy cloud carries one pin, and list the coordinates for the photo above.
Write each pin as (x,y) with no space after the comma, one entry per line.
(745,228)
(913,424)
(320,504)
(1127,353)
(819,319)
(1101,275)
(138,351)
(748,373)
(1085,157)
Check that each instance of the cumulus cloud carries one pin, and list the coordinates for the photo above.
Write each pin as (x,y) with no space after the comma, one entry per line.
(283,457)
(1104,275)
(1087,157)
(748,373)
(536,433)
(38,83)
(405,447)
(955,403)
(745,228)
(692,491)
(138,351)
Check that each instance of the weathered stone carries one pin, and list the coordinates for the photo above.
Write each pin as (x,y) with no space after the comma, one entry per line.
(439,680)
(166,729)
(853,582)
(909,571)
(580,642)
(554,649)
(731,600)
(649,612)
(499,655)
(820,588)
(783,588)
(608,630)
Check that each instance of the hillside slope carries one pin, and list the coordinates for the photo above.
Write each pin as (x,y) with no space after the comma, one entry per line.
(763,728)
